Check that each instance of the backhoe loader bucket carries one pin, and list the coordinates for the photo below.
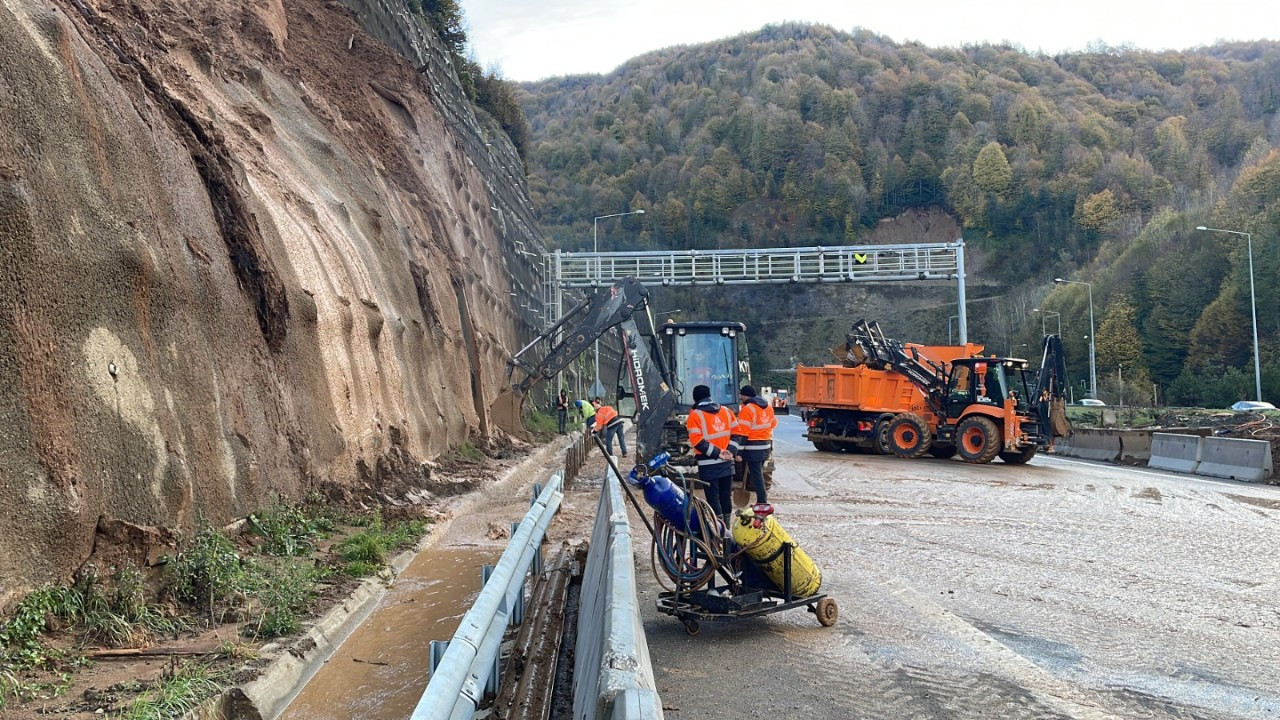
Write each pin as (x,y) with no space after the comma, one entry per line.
(506,412)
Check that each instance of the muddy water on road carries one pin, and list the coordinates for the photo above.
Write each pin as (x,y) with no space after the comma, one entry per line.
(381,670)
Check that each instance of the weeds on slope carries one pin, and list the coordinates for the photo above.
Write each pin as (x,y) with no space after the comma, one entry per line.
(267,581)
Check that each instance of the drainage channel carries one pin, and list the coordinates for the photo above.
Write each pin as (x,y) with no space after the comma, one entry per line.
(381,669)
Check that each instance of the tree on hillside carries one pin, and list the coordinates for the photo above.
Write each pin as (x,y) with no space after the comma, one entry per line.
(1118,339)
(991,171)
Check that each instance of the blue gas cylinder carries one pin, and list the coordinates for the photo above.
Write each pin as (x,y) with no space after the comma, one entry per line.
(663,495)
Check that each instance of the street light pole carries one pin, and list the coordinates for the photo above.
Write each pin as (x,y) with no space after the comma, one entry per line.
(1253,306)
(1043,315)
(595,248)
(1093,337)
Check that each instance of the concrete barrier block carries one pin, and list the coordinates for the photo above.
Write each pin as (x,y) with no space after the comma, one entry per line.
(1135,447)
(1235,459)
(1177,453)
(1090,444)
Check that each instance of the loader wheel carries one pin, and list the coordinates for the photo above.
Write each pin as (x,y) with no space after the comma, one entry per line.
(880,438)
(942,452)
(1021,457)
(978,439)
(909,435)
(827,612)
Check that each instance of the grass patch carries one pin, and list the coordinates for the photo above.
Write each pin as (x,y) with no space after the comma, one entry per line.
(544,426)
(463,453)
(290,530)
(179,694)
(112,612)
(116,612)
(284,596)
(366,552)
(1126,417)
(208,574)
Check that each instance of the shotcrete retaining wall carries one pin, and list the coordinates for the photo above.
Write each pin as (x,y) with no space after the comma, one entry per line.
(239,241)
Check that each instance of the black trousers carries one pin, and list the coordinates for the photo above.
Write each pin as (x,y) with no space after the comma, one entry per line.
(719,490)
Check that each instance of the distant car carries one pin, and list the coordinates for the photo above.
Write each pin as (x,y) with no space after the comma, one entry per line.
(1253,405)
(1094,402)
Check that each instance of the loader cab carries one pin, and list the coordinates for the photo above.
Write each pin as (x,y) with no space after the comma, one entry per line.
(986,381)
(706,353)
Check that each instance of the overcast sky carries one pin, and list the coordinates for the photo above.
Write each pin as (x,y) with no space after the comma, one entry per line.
(533,40)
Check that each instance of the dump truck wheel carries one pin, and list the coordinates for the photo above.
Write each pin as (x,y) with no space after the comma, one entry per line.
(978,439)
(823,445)
(1021,457)
(880,438)
(827,612)
(942,452)
(909,435)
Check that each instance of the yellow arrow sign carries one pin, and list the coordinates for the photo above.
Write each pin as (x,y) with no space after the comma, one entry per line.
(860,258)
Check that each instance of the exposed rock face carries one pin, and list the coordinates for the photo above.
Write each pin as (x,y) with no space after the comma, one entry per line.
(240,252)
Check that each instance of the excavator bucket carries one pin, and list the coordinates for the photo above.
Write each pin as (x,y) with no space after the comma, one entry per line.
(506,413)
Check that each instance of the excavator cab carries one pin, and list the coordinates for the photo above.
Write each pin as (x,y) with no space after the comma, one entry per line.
(706,353)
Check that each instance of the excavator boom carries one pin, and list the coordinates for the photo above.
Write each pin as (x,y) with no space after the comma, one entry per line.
(586,322)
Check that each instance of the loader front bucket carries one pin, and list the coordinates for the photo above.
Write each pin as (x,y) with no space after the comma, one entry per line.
(506,414)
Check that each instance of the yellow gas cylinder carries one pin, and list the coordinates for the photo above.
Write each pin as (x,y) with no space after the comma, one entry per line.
(762,538)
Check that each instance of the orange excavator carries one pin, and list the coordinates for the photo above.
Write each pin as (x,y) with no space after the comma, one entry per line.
(910,400)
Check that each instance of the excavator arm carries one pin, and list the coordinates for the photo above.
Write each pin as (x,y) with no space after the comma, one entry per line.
(582,325)
(1053,380)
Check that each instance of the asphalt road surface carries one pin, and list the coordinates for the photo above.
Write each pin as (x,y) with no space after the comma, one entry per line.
(1059,589)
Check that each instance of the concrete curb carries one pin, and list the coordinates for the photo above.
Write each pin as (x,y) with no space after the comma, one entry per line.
(291,667)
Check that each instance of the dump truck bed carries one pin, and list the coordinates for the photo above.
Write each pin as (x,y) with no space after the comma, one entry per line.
(869,390)
(857,388)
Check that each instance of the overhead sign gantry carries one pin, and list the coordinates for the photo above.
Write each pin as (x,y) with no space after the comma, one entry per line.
(692,268)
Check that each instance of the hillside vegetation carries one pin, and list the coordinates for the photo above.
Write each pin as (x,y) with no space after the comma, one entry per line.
(1095,166)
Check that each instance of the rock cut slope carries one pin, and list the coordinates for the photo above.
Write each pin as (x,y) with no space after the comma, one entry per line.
(242,257)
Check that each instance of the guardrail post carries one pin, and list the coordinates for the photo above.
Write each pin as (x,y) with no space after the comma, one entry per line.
(437,654)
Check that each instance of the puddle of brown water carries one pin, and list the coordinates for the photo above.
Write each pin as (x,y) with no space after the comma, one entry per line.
(381,670)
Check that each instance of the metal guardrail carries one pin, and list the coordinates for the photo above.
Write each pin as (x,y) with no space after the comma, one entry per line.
(853,263)
(613,677)
(467,666)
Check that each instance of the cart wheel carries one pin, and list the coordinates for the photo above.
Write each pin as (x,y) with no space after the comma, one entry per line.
(692,626)
(827,612)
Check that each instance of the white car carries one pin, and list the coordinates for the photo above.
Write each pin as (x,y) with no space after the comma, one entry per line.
(1253,405)
(1093,402)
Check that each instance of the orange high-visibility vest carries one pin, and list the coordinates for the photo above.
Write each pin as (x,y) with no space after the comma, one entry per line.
(756,423)
(605,417)
(707,429)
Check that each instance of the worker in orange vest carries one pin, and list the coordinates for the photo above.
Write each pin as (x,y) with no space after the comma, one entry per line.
(755,435)
(609,423)
(711,429)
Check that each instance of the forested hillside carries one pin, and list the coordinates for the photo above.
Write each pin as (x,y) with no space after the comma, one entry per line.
(1095,166)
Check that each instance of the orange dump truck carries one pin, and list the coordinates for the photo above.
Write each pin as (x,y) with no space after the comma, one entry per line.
(851,408)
